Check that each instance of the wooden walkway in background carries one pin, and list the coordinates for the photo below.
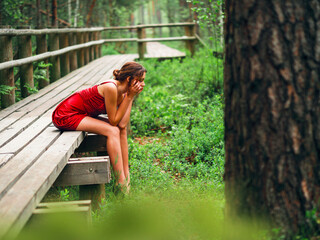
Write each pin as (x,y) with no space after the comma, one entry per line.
(161,51)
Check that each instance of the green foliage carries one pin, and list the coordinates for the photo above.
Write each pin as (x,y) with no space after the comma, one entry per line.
(5,89)
(40,72)
(64,194)
(210,16)
(11,12)
(177,126)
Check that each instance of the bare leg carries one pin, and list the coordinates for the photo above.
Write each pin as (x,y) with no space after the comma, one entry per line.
(100,127)
(125,157)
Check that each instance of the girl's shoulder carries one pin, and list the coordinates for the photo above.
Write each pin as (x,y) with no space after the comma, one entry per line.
(107,87)
(112,81)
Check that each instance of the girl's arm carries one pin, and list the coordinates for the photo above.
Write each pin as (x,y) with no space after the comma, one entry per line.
(126,117)
(110,95)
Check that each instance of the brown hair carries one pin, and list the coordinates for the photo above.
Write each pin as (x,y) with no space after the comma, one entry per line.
(129,69)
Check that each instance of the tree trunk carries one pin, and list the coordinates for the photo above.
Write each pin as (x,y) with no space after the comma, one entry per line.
(38,15)
(69,11)
(48,12)
(76,13)
(90,12)
(272,111)
(54,14)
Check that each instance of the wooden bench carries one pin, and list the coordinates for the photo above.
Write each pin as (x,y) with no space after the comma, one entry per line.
(33,152)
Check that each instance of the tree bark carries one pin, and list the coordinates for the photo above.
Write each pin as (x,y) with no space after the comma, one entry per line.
(90,12)
(272,111)
(54,14)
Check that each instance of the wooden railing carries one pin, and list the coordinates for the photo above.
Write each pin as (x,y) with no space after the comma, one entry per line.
(66,50)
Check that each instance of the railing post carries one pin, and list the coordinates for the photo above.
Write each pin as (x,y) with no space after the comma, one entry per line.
(141,45)
(99,46)
(42,48)
(86,50)
(73,54)
(91,49)
(6,76)
(80,53)
(65,62)
(55,72)
(26,70)
(96,47)
(190,44)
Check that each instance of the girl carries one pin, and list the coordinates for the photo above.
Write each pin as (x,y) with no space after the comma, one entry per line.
(114,97)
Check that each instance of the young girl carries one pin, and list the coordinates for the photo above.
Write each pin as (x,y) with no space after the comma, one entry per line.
(80,112)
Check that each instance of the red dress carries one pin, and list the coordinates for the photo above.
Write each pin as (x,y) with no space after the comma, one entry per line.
(69,113)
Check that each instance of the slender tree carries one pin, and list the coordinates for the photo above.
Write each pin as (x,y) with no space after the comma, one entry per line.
(272,112)
(54,14)
(90,12)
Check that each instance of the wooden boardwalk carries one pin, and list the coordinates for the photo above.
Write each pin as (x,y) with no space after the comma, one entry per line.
(33,152)
(161,51)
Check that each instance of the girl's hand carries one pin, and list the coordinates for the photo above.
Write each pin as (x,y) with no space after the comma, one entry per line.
(134,89)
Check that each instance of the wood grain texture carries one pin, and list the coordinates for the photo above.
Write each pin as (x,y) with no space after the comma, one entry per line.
(85,171)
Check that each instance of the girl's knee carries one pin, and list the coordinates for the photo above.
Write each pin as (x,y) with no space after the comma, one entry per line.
(113,131)
(123,130)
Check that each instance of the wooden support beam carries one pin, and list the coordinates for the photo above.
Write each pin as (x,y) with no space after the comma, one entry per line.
(91,49)
(80,209)
(85,171)
(95,193)
(6,75)
(26,71)
(86,50)
(96,47)
(190,44)
(73,54)
(64,59)
(141,45)
(55,72)
(42,47)
(80,53)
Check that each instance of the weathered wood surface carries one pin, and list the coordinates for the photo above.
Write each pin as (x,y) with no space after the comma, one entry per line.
(33,152)
(158,50)
(85,171)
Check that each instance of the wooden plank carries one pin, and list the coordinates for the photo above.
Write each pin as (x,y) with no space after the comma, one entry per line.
(69,209)
(18,203)
(62,204)
(27,135)
(85,171)
(184,38)
(23,32)
(4,158)
(19,164)
(158,50)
